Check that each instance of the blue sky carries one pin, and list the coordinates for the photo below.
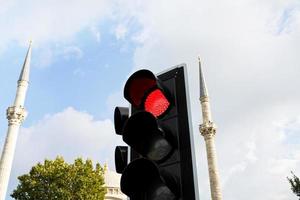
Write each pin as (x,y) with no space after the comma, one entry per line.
(83,52)
(80,74)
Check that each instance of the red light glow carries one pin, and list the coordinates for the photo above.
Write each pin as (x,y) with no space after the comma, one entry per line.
(137,89)
(156,103)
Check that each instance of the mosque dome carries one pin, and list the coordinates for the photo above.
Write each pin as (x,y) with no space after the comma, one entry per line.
(112,184)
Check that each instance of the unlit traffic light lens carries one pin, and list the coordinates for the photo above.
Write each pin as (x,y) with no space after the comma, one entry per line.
(141,180)
(141,132)
(138,88)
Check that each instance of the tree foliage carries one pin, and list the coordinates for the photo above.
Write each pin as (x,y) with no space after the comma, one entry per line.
(295,184)
(59,180)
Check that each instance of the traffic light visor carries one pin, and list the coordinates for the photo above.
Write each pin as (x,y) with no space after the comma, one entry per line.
(142,91)
(121,158)
(138,175)
(142,133)
(141,179)
(120,117)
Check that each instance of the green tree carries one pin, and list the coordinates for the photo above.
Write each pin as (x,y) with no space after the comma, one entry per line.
(295,184)
(59,180)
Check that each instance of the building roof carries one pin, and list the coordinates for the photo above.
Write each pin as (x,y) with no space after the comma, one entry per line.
(112,183)
(112,179)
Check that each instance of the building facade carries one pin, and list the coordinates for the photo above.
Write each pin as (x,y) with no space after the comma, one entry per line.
(112,184)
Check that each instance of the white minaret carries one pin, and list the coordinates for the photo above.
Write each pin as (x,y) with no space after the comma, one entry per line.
(15,115)
(208,131)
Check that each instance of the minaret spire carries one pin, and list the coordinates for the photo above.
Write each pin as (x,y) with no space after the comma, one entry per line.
(208,131)
(24,75)
(15,115)
(203,89)
(204,99)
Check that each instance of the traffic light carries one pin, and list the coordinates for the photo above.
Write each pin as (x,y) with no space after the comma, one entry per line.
(121,152)
(162,164)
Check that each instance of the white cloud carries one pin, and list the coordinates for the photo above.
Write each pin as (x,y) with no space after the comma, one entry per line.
(252,75)
(116,99)
(44,58)
(251,154)
(47,55)
(72,52)
(71,134)
(79,72)
(96,33)
(259,165)
(48,21)
(121,31)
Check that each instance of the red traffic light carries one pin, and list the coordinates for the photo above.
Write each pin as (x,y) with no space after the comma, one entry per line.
(156,103)
(143,92)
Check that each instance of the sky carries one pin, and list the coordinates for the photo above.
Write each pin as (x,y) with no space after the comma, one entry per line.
(84,51)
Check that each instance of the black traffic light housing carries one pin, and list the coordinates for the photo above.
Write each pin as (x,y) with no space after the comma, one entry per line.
(162,163)
(121,115)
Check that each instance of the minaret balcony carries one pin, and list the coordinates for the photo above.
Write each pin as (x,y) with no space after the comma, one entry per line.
(16,114)
(208,129)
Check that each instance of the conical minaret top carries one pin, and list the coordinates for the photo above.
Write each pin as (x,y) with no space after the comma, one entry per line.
(24,75)
(23,79)
(206,112)
(203,89)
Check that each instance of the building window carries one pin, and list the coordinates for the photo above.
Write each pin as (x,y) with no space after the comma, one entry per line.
(116,191)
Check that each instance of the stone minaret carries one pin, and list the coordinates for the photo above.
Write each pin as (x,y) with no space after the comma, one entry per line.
(15,115)
(208,131)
